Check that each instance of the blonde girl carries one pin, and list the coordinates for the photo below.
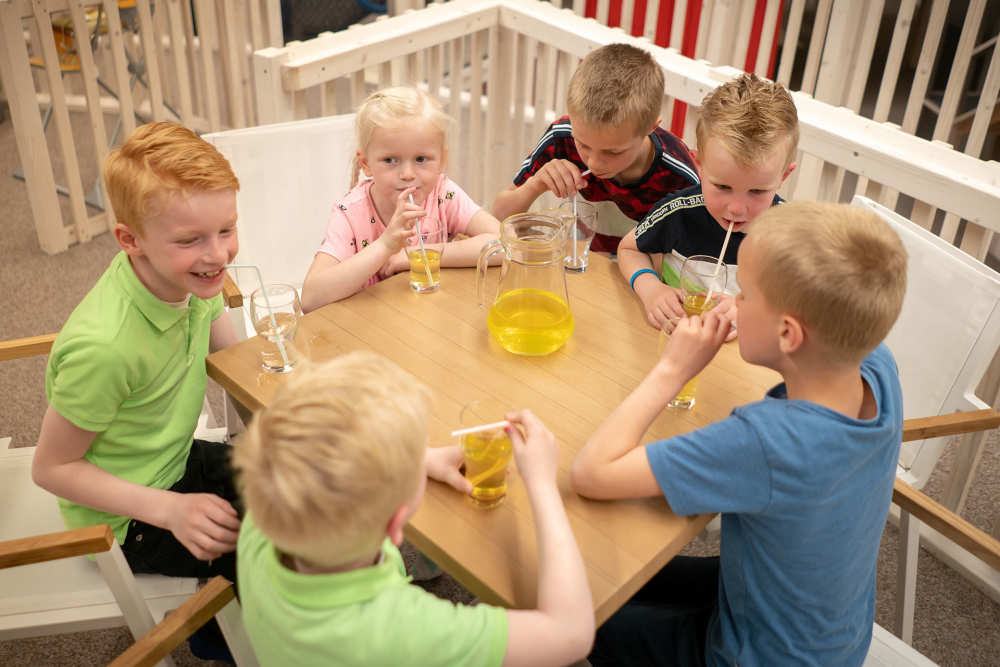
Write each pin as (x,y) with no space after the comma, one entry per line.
(401,134)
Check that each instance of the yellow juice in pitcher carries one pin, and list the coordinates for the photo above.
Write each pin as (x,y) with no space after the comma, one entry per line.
(530,321)
(487,455)
(694,304)
(418,274)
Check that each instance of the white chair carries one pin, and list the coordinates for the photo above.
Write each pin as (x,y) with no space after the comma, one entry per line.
(944,339)
(71,594)
(291,175)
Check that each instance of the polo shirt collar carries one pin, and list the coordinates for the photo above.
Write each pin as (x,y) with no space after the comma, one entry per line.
(319,591)
(161,314)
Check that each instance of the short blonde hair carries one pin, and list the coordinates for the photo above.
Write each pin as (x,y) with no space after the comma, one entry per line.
(750,116)
(616,85)
(159,160)
(839,269)
(339,449)
(385,108)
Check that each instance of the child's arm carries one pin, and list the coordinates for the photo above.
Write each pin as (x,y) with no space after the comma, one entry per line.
(561,177)
(612,464)
(204,523)
(330,280)
(561,630)
(222,333)
(659,302)
(482,229)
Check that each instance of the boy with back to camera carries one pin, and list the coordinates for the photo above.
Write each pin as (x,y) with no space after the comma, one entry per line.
(612,129)
(803,479)
(747,132)
(126,376)
(331,471)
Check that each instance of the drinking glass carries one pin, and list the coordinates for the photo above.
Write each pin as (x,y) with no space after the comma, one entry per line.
(424,252)
(583,226)
(275,311)
(487,453)
(698,277)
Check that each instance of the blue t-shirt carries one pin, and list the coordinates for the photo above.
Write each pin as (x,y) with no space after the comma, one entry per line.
(804,493)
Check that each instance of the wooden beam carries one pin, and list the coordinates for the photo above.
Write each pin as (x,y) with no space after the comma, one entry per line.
(178,625)
(949,524)
(231,292)
(20,348)
(53,546)
(950,424)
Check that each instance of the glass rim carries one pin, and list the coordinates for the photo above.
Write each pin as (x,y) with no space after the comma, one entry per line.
(278,295)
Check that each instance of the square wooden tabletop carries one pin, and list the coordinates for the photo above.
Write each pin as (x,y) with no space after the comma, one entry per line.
(442,339)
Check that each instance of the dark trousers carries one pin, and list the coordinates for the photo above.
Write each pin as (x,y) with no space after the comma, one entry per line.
(665,623)
(152,550)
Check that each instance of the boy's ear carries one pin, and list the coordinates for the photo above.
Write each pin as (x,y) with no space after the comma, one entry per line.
(394,529)
(791,335)
(697,162)
(789,170)
(127,239)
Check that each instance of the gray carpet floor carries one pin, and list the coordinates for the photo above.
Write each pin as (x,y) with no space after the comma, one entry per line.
(955,624)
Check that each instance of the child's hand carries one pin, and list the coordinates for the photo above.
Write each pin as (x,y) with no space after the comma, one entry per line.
(694,342)
(397,262)
(727,307)
(204,523)
(561,177)
(443,464)
(536,450)
(661,303)
(400,226)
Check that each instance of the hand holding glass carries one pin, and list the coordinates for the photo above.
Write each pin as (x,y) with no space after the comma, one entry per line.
(698,278)
(275,311)
(487,452)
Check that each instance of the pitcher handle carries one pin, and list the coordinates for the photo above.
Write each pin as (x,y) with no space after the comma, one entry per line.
(488,251)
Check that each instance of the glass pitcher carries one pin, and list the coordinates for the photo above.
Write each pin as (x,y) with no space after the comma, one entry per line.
(530,314)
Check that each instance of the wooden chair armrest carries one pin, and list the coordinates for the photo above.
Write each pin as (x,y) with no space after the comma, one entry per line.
(20,348)
(53,546)
(178,625)
(946,522)
(231,293)
(950,424)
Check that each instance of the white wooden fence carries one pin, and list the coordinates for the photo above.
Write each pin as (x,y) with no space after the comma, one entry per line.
(151,61)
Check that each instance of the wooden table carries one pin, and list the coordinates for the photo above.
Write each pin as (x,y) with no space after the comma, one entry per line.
(442,339)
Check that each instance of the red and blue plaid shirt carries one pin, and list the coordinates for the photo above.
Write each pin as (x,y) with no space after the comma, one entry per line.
(672,170)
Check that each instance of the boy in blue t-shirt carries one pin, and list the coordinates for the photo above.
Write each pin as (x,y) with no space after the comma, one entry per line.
(747,132)
(803,478)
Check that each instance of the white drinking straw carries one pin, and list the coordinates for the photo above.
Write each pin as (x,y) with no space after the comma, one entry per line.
(575,220)
(267,302)
(423,253)
(718,264)
(477,429)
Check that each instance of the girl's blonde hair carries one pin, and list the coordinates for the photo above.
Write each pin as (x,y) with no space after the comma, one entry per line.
(391,106)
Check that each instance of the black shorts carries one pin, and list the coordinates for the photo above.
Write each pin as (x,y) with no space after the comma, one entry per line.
(152,550)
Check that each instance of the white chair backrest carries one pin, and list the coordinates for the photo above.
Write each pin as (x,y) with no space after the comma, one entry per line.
(291,175)
(946,335)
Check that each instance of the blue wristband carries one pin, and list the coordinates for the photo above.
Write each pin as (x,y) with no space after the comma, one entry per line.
(639,273)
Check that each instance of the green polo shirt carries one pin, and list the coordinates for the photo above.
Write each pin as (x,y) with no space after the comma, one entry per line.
(132,369)
(371,616)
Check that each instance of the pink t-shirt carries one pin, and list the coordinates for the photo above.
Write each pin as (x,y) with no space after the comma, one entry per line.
(354,222)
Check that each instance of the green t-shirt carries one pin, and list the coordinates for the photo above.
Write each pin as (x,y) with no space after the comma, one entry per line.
(132,369)
(371,616)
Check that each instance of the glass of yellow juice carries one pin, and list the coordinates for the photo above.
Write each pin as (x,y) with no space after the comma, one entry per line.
(487,453)
(698,279)
(424,249)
